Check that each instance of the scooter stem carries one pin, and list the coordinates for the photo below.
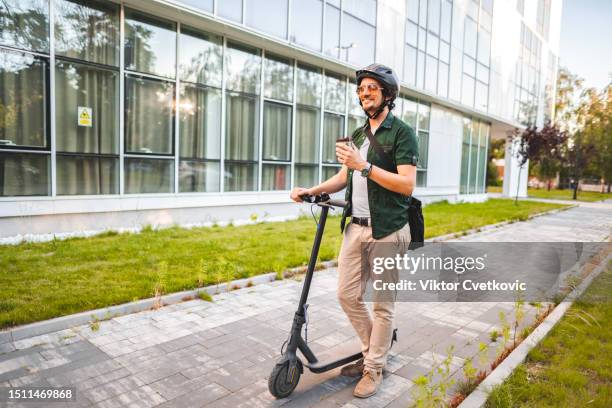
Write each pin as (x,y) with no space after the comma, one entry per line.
(313,259)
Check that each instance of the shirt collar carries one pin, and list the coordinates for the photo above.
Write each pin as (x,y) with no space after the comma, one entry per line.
(387,123)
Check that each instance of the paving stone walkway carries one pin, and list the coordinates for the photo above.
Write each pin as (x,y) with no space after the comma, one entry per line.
(219,354)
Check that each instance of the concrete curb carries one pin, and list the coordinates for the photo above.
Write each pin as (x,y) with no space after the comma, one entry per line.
(478,397)
(66,322)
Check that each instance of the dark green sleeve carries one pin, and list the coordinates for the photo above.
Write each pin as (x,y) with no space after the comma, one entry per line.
(406,146)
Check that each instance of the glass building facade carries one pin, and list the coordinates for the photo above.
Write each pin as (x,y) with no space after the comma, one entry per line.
(186,98)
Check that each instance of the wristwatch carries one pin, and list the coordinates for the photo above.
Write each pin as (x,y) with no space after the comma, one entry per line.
(366,170)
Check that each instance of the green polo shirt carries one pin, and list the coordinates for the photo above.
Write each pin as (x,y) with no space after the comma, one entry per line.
(388,210)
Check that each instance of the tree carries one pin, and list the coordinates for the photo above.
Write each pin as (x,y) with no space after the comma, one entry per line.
(597,131)
(543,148)
(585,116)
(547,161)
(496,151)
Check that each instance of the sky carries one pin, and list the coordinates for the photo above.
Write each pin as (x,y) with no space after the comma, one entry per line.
(586,40)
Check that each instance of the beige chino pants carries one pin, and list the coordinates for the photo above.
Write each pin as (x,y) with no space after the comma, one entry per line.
(374,332)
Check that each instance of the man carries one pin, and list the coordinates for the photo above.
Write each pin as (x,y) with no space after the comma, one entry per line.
(377,192)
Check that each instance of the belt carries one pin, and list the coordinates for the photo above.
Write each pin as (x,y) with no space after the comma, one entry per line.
(364,222)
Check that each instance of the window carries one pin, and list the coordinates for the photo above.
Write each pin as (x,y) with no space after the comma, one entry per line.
(143,176)
(465,156)
(87,175)
(149,116)
(87,30)
(484,47)
(412,33)
(335,93)
(431,74)
(412,10)
(307,127)
(362,35)
(433,19)
(410,64)
(200,57)
(242,68)
(23,95)
(445,20)
(87,154)
(467,91)
(269,16)
(25,24)
(333,129)
(309,81)
(277,132)
(417,115)
(24,174)
(424,113)
(330,171)
(432,45)
(241,142)
(362,9)
(331,45)
(150,45)
(84,86)
(278,78)
(470,35)
(443,79)
(307,145)
(482,157)
(420,71)
(409,114)
(474,156)
(356,116)
(230,9)
(307,23)
(423,13)
(275,177)
(198,176)
(200,138)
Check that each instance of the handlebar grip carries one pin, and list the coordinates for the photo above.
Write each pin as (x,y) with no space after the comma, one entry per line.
(307,198)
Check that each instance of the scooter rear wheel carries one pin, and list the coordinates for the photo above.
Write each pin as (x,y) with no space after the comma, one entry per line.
(279,383)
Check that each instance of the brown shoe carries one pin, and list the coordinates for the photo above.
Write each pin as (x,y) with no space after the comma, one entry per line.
(369,383)
(353,370)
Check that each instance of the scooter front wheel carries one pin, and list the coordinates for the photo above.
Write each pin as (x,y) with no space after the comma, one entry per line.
(283,381)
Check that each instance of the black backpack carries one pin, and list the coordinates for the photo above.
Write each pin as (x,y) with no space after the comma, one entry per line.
(415,212)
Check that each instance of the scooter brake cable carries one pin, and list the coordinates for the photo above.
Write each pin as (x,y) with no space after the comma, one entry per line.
(314,217)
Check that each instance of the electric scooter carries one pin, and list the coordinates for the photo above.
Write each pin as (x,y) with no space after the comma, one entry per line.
(288,369)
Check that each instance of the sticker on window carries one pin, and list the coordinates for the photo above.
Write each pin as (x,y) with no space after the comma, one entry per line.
(85,116)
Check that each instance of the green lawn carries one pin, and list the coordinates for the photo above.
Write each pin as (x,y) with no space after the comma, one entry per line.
(571,367)
(44,280)
(558,194)
(567,194)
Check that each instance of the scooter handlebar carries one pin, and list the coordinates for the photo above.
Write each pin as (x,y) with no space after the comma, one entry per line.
(337,203)
(323,199)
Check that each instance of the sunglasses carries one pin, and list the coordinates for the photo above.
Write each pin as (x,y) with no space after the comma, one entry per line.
(370,87)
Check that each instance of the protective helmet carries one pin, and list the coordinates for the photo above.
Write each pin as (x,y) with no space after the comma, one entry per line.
(387,78)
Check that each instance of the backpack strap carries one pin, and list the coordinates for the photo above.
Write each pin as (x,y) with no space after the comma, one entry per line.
(378,148)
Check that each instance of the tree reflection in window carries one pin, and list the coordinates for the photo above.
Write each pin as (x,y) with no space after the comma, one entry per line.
(87,30)
(24,24)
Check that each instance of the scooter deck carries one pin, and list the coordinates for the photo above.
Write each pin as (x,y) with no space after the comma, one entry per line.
(350,351)
(325,365)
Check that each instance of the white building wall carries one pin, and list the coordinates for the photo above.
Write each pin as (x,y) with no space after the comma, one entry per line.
(444,154)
